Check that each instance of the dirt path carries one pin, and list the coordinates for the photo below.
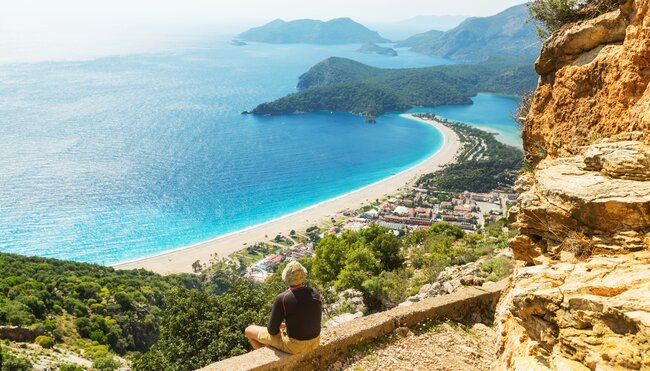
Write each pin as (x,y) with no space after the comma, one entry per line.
(445,346)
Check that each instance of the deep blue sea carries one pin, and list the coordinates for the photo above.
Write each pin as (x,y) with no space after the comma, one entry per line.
(116,158)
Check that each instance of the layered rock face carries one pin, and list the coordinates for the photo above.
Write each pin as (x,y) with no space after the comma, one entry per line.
(593,83)
(580,296)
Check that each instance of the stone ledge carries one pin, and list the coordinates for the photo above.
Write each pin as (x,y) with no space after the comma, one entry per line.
(335,341)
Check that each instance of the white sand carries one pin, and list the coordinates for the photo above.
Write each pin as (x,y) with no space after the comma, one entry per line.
(180,260)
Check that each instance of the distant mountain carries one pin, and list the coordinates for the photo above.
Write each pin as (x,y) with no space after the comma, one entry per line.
(435,22)
(372,48)
(309,31)
(502,35)
(343,85)
(420,39)
(421,23)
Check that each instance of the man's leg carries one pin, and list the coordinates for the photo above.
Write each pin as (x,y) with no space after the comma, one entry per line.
(251,333)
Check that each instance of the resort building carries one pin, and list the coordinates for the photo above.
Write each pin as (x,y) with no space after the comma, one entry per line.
(401,210)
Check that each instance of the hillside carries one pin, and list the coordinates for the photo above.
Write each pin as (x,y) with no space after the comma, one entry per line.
(403,29)
(310,31)
(436,22)
(505,34)
(420,39)
(343,85)
(54,312)
(92,309)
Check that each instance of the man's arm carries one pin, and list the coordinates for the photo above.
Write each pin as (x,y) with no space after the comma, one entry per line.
(277,316)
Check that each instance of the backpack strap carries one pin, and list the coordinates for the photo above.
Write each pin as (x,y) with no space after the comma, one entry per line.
(283,306)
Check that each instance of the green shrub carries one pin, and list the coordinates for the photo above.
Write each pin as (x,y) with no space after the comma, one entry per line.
(550,15)
(49,326)
(525,103)
(45,341)
(17,313)
(198,329)
(12,362)
(35,304)
(498,268)
(69,367)
(106,364)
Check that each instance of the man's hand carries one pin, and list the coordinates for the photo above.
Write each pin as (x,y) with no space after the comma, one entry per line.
(283,326)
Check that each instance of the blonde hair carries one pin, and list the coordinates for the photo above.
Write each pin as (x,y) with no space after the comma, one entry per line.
(294,274)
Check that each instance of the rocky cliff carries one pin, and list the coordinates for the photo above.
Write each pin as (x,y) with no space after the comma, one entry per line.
(580,296)
(593,83)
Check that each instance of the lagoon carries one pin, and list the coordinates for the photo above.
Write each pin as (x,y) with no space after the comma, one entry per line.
(490,112)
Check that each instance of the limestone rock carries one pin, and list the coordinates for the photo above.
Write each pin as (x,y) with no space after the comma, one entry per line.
(425,288)
(413,298)
(595,312)
(573,196)
(348,300)
(584,233)
(593,85)
(579,296)
(569,43)
(625,160)
(530,363)
(431,289)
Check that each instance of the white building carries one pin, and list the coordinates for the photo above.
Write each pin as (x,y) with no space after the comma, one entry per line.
(401,210)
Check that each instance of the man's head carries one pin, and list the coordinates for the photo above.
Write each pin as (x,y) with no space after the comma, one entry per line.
(294,274)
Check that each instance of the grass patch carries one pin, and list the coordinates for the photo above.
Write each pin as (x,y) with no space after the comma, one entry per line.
(497,268)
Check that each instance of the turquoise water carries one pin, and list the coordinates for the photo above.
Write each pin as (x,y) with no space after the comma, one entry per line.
(491,112)
(118,158)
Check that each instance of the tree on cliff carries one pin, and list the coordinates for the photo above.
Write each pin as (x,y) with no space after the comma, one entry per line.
(550,15)
(198,328)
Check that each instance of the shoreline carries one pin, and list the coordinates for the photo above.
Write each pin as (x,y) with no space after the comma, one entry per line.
(180,260)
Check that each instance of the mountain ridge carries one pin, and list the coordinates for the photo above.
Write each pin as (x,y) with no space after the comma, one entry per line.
(344,85)
(506,34)
(310,31)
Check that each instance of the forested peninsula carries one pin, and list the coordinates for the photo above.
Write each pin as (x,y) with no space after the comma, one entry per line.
(343,85)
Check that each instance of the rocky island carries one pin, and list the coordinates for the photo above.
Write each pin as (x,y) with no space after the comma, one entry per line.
(372,48)
(504,44)
(310,31)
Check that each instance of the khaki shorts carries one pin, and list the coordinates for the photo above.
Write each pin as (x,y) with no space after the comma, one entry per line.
(283,342)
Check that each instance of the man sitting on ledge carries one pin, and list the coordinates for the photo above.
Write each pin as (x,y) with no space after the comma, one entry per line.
(300,309)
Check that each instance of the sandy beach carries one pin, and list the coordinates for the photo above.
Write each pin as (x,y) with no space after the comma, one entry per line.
(180,260)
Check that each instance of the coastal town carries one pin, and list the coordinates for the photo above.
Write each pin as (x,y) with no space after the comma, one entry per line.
(411,209)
